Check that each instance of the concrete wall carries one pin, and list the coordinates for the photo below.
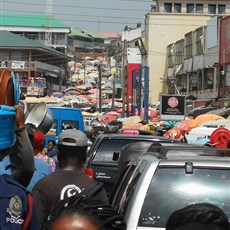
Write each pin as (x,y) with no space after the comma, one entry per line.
(160,31)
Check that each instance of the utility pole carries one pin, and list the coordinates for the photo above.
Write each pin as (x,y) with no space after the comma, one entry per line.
(60,79)
(99,86)
(48,31)
(125,45)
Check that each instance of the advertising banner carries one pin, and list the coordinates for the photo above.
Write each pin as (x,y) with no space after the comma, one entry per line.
(173,107)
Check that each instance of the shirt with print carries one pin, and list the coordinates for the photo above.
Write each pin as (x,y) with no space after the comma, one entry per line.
(48,160)
(58,186)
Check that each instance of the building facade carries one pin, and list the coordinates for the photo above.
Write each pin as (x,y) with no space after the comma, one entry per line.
(193,62)
(84,43)
(167,22)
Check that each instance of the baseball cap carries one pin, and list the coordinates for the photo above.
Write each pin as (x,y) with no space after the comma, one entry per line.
(39,139)
(72,137)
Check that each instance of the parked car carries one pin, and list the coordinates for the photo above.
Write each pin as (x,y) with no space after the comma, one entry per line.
(102,163)
(156,184)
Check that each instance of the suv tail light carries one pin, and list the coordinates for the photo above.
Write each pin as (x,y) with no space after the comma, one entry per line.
(89,172)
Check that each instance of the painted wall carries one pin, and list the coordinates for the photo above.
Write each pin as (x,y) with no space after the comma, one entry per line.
(160,31)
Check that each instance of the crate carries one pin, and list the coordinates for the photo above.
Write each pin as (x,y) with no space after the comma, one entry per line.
(7,126)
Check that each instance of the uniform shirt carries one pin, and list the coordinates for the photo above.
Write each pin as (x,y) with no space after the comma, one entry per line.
(16,206)
(42,169)
(58,186)
(23,152)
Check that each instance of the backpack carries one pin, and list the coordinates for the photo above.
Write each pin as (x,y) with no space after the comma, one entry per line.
(16,205)
(93,188)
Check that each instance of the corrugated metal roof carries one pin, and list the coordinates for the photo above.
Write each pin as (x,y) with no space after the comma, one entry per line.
(29,20)
(11,40)
(78,32)
(85,33)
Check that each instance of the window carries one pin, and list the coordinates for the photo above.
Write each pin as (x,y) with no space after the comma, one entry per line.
(69,124)
(168,7)
(53,129)
(172,189)
(211,9)
(188,45)
(108,147)
(130,188)
(190,8)
(208,78)
(199,8)
(193,82)
(199,41)
(221,9)
(179,52)
(177,8)
(122,184)
(60,36)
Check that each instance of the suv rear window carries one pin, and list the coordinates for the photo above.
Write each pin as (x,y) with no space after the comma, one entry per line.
(172,189)
(108,147)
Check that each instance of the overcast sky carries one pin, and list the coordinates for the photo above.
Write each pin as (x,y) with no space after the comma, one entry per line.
(95,15)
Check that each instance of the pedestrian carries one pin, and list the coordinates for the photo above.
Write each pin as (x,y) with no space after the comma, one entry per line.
(16,202)
(87,212)
(20,154)
(42,169)
(51,150)
(200,216)
(70,179)
(38,146)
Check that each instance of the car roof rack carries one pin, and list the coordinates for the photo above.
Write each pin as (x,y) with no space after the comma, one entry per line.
(176,151)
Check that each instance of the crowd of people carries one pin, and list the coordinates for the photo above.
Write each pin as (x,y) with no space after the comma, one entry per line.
(48,189)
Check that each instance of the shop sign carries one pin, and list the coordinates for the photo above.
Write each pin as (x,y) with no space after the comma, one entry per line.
(173,107)
(18,65)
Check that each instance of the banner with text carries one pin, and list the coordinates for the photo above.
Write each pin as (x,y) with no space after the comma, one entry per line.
(173,107)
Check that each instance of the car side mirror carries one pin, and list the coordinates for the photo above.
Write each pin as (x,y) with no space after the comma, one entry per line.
(116,156)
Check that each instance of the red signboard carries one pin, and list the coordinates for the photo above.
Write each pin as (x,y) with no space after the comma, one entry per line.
(131,67)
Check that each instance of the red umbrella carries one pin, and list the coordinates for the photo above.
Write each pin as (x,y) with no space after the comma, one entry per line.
(94,101)
(114,113)
(107,118)
(93,91)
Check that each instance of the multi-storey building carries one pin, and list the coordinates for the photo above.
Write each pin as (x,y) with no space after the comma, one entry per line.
(167,22)
(38,59)
(198,64)
(84,43)
(34,27)
(192,62)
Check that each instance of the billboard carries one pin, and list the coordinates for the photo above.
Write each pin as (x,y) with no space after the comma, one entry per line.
(173,107)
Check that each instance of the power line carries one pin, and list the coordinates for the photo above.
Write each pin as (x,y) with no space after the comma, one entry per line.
(124,23)
(77,6)
(83,15)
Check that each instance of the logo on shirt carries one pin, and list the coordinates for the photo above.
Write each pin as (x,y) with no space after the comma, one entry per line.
(69,190)
(15,210)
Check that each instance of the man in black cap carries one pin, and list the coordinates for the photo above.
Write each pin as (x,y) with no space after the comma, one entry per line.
(70,179)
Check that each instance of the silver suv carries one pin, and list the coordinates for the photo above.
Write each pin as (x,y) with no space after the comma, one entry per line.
(156,184)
